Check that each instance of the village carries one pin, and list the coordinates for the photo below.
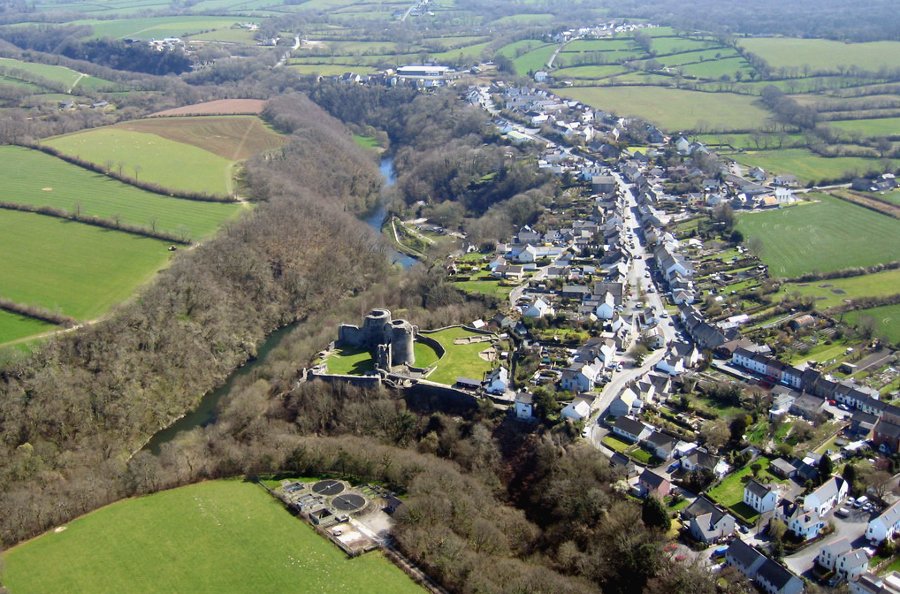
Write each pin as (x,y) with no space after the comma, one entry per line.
(613,320)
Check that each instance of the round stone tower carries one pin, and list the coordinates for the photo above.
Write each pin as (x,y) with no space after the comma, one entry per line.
(375,327)
(403,338)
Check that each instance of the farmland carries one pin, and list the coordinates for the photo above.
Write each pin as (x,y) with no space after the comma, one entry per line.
(217,107)
(887,320)
(77,269)
(834,292)
(829,234)
(220,536)
(36,179)
(39,74)
(806,165)
(14,327)
(147,28)
(870,128)
(151,158)
(824,55)
(674,109)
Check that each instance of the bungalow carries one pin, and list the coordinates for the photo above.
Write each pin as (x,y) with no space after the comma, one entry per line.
(661,445)
(700,459)
(524,406)
(782,468)
(762,498)
(708,523)
(884,526)
(631,429)
(830,494)
(580,377)
(651,484)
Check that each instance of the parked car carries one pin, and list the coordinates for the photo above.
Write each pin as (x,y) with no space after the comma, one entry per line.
(842,512)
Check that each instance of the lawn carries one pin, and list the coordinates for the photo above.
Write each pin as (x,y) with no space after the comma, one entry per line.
(14,327)
(349,361)
(616,443)
(806,165)
(824,55)
(173,165)
(730,491)
(492,288)
(36,179)
(367,142)
(78,269)
(887,318)
(425,355)
(460,360)
(220,536)
(674,109)
(827,235)
(829,293)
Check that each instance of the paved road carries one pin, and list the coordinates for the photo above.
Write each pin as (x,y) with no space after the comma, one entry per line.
(635,278)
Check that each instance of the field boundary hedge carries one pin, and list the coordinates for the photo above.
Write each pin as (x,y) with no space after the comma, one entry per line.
(38,313)
(97,222)
(155,188)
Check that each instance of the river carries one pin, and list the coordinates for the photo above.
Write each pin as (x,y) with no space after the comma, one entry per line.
(205,412)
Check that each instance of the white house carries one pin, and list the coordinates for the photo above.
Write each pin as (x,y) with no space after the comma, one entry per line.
(884,526)
(760,497)
(497,381)
(701,459)
(829,553)
(804,524)
(538,309)
(577,410)
(624,404)
(831,493)
(524,406)
(671,364)
(607,355)
(607,307)
(851,564)
(580,377)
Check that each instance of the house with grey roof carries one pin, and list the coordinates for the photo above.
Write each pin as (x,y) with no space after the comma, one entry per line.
(762,498)
(707,522)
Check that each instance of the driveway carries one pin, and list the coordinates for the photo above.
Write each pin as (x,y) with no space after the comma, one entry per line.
(853,528)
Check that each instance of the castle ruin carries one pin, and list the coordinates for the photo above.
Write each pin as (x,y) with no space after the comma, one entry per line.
(391,342)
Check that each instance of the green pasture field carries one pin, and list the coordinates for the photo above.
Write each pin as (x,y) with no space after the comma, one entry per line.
(147,28)
(219,536)
(870,128)
(827,235)
(806,165)
(822,54)
(229,35)
(348,361)
(674,109)
(833,292)
(173,165)
(718,68)
(447,43)
(118,7)
(67,77)
(78,269)
(534,60)
(15,327)
(671,45)
(363,47)
(588,72)
(749,141)
(524,19)
(36,179)
(459,360)
(834,104)
(887,318)
(19,84)
(580,46)
(465,53)
(330,69)
(697,57)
